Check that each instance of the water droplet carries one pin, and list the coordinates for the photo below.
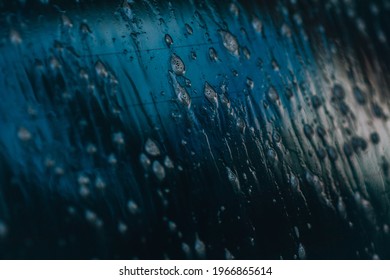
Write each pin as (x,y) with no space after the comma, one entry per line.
(66,21)
(229,42)
(377,110)
(233,179)
(347,149)
(338,92)
(301,252)
(181,93)
(3,229)
(193,55)
(122,227)
(359,96)
(177,65)
(101,69)
(189,29)
(228,255)
(200,248)
(84,28)
(118,138)
(332,153)
(168,162)
(151,147)
(132,207)
(99,183)
(316,101)
(213,54)
(210,94)
(308,130)
(234,9)
(374,138)
(158,170)
(91,148)
(112,159)
(15,37)
(272,155)
(24,134)
(257,24)
(246,53)
(168,40)
(250,83)
(341,208)
(272,94)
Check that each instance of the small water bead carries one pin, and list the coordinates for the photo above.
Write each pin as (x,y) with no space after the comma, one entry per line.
(228,255)
(132,207)
(122,227)
(3,229)
(168,162)
(308,130)
(246,53)
(359,96)
(240,123)
(272,155)
(347,148)
(250,83)
(210,94)
(158,170)
(100,184)
(172,226)
(332,153)
(66,21)
(200,248)
(145,161)
(321,132)
(338,92)
(101,69)
(257,24)
(377,110)
(177,65)
(193,55)
(90,216)
(321,153)
(187,250)
(225,101)
(233,179)
(84,28)
(168,40)
(118,138)
(91,149)
(151,147)
(234,9)
(374,138)
(189,29)
(229,42)
(213,54)
(316,102)
(272,94)
(15,37)
(24,134)
(294,182)
(342,208)
(275,65)
(301,252)
(358,143)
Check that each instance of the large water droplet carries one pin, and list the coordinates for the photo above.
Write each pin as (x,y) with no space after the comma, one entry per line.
(177,65)
(229,42)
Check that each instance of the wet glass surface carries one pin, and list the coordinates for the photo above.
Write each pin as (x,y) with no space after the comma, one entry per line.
(204,129)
